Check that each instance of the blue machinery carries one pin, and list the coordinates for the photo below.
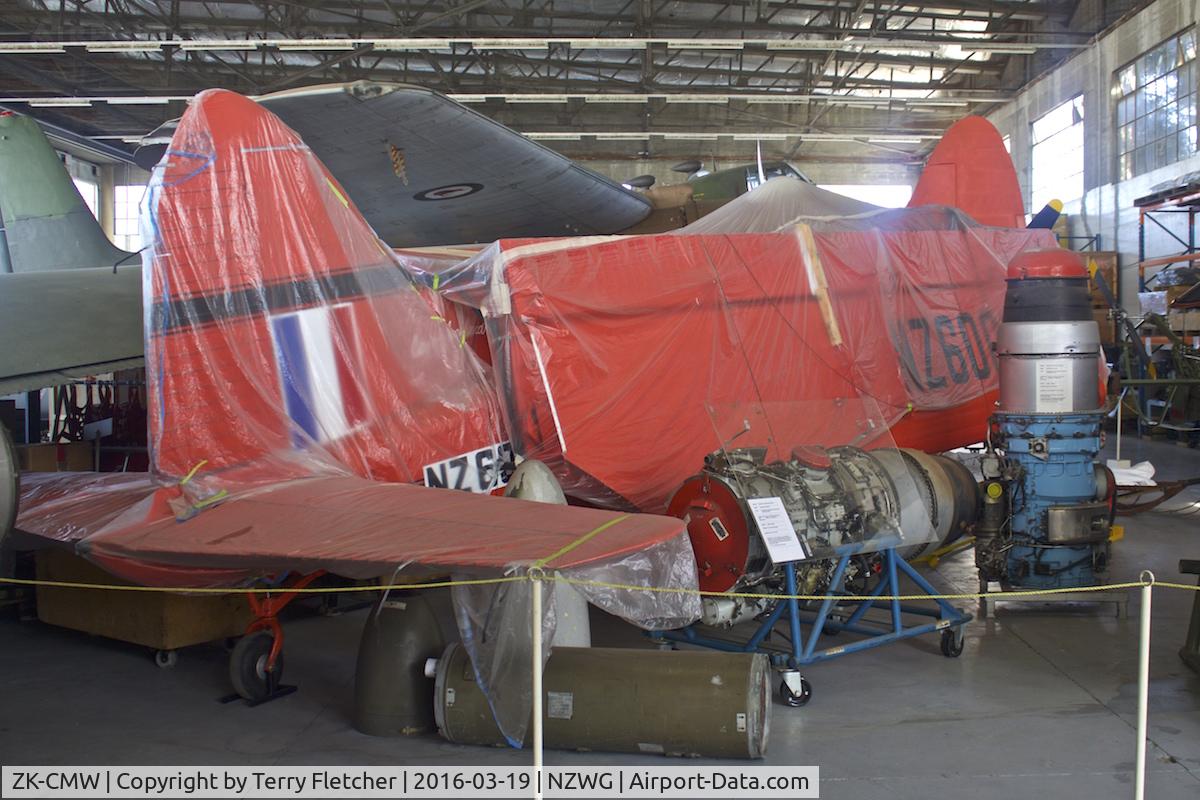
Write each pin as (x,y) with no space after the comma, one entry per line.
(796,690)
(856,515)
(1047,505)
(1042,521)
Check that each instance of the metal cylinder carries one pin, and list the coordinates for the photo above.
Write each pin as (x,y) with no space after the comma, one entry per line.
(938,498)
(391,690)
(1049,367)
(626,701)
(1048,344)
(532,480)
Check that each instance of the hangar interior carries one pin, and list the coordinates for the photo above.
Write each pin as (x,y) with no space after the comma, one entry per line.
(787,309)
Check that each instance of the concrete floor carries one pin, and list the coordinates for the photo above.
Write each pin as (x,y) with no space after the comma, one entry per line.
(1040,704)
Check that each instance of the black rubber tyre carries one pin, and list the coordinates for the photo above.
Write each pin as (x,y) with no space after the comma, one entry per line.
(248,666)
(952,643)
(792,700)
(166,659)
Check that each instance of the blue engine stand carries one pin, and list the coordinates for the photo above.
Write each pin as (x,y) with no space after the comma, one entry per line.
(803,651)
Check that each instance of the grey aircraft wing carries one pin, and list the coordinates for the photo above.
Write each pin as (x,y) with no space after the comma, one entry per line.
(426,170)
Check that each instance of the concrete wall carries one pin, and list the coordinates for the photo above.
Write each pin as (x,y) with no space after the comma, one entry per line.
(1107,205)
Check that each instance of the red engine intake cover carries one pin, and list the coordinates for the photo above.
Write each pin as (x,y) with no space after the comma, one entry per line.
(718,529)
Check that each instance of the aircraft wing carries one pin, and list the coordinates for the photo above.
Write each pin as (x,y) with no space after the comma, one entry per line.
(77,322)
(345,524)
(426,170)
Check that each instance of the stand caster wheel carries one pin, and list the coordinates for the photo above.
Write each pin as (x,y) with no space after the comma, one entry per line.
(952,642)
(248,667)
(667,647)
(166,659)
(795,698)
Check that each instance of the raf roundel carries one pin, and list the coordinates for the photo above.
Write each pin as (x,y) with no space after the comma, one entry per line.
(449,192)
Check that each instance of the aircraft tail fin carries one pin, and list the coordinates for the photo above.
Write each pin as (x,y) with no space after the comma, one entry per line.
(283,338)
(46,224)
(971,171)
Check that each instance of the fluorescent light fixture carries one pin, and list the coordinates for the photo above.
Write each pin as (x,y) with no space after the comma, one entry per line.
(621,137)
(218,44)
(606,44)
(766,137)
(468,98)
(317,44)
(933,101)
(677,135)
(60,102)
(616,98)
(124,47)
(697,98)
(705,44)
(510,44)
(412,44)
(804,44)
(894,139)
(536,98)
(550,136)
(137,101)
(31,47)
(774,98)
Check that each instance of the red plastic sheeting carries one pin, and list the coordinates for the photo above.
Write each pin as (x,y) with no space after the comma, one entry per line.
(296,375)
(361,529)
(970,170)
(282,337)
(622,362)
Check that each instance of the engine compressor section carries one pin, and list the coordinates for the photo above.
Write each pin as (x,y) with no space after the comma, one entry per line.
(1047,503)
(852,517)
(838,498)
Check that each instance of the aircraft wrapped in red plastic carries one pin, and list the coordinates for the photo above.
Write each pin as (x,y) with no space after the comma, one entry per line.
(616,358)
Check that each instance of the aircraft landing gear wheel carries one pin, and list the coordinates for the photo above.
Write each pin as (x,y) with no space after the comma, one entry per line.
(952,642)
(794,698)
(166,659)
(248,667)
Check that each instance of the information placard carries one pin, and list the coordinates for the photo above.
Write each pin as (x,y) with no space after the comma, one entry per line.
(777,530)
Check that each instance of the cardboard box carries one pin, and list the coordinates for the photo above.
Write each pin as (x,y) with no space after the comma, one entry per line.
(67,457)
(1185,321)
(159,620)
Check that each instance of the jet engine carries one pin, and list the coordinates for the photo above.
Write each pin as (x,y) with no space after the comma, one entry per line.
(833,497)
(1048,504)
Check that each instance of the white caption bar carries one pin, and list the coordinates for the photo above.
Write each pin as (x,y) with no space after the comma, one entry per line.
(734,781)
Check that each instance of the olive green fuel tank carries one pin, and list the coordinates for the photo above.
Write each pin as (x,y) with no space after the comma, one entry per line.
(626,701)
(391,690)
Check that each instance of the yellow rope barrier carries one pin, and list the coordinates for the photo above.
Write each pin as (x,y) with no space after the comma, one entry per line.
(261,589)
(537,575)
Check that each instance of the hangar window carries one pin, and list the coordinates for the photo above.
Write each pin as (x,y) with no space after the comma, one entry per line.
(888,195)
(1156,107)
(1058,154)
(125,217)
(90,193)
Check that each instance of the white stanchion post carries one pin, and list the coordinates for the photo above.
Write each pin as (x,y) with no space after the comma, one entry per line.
(536,587)
(1147,578)
(1120,405)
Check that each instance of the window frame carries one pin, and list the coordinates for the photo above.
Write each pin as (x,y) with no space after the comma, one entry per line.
(1074,104)
(1145,137)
